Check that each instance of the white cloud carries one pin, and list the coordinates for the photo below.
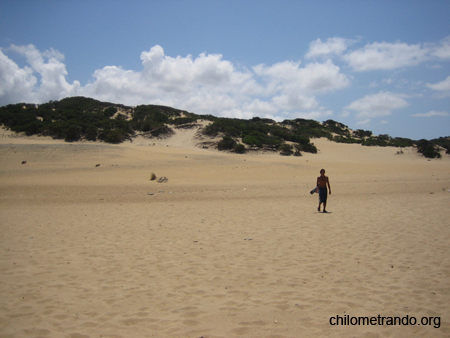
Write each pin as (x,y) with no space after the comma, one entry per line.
(206,84)
(292,89)
(387,56)
(442,51)
(294,101)
(333,46)
(313,78)
(16,84)
(313,115)
(22,84)
(181,73)
(443,86)
(432,114)
(377,105)
(237,113)
(211,85)
(365,122)
(318,114)
(260,108)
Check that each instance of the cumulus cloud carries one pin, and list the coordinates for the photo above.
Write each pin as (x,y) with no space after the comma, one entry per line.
(21,83)
(377,105)
(181,73)
(442,50)
(383,55)
(432,114)
(313,78)
(333,46)
(363,122)
(293,89)
(443,86)
(206,84)
(315,114)
(16,84)
(387,56)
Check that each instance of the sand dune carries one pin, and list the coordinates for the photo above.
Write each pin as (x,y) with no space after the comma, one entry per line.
(231,246)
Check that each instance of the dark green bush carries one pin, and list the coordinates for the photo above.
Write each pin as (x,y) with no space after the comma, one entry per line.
(428,149)
(33,128)
(252,140)
(286,149)
(297,150)
(112,136)
(240,149)
(336,127)
(362,133)
(183,120)
(162,132)
(228,127)
(110,112)
(147,126)
(73,134)
(75,118)
(227,143)
(57,130)
(259,139)
(309,148)
(91,133)
(444,142)
(373,141)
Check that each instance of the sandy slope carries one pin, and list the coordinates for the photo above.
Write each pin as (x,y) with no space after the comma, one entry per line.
(231,246)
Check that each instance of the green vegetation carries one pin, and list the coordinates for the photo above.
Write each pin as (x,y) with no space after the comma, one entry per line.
(227,143)
(79,118)
(230,144)
(286,149)
(428,149)
(240,149)
(76,118)
(266,134)
(443,142)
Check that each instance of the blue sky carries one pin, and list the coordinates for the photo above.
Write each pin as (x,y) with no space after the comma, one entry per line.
(379,65)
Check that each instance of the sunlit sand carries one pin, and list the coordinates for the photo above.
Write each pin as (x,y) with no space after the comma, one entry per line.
(230,246)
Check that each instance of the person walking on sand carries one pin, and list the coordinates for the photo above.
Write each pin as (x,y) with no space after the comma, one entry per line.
(322,183)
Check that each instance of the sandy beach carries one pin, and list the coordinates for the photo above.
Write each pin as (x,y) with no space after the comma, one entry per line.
(230,246)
